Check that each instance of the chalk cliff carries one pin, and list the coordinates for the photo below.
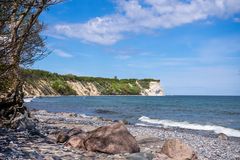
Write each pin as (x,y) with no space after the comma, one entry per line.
(43,83)
(155,89)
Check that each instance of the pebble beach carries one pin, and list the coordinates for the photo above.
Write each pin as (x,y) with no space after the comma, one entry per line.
(41,144)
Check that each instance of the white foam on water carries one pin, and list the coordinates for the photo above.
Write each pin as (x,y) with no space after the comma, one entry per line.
(85,116)
(27,100)
(193,126)
(144,125)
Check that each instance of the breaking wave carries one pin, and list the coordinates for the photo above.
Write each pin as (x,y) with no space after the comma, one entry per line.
(29,99)
(193,126)
(85,116)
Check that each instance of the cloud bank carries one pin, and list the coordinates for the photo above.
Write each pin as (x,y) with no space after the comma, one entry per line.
(136,16)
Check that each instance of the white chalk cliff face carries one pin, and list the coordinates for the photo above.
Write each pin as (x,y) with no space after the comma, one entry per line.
(40,88)
(81,89)
(155,89)
(44,88)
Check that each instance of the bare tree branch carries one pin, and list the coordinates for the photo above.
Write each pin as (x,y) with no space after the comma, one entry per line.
(20,45)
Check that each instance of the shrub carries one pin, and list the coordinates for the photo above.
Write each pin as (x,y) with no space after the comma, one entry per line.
(62,87)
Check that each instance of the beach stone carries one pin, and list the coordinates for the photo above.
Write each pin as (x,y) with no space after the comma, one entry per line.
(73,115)
(140,156)
(51,121)
(124,121)
(104,119)
(111,139)
(222,136)
(75,131)
(90,154)
(159,156)
(76,142)
(63,136)
(177,150)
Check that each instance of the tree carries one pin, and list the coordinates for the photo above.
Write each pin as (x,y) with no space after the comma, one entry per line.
(20,45)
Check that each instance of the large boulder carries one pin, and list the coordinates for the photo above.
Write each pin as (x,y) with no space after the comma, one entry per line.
(111,139)
(177,150)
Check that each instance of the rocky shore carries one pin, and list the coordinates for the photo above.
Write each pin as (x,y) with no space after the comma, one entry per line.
(41,143)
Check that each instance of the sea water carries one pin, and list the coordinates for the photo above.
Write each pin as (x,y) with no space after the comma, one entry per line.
(220,114)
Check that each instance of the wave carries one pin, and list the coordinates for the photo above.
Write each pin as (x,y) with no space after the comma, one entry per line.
(193,126)
(144,125)
(85,116)
(27,100)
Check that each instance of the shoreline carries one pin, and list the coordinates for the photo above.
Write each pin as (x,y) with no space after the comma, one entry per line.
(148,121)
(207,133)
(107,121)
(150,139)
(44,96)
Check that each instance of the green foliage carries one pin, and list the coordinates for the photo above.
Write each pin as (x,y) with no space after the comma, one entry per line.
(62,87)
(106,86)
(57,81)
(29,74)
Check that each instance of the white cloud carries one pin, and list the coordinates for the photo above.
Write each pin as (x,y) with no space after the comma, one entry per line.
(143,15)
(62,53)
(237,20)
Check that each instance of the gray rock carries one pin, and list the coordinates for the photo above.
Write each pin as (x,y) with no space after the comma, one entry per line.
(62,137)
(177,149)
(140,156)
(90,154)
(222,136)
(74,132)
(124,121)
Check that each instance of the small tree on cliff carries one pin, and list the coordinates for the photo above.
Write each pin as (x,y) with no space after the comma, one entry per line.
(20,45)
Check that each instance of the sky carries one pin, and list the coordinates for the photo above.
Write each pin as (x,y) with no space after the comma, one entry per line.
(192,46)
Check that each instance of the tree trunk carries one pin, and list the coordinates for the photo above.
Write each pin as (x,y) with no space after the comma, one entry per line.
(13,113)
(20,44)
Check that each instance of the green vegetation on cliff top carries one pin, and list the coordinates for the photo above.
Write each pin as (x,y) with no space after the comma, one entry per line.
(106,86)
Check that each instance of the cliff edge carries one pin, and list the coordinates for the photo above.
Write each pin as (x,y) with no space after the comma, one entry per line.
(155,89)
(43,83)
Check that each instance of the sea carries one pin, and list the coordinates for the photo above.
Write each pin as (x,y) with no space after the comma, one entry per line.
(219,114)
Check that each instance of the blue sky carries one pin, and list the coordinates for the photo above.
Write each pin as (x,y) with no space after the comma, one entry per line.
(192,46)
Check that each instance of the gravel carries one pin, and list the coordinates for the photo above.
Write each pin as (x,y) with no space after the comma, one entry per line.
(42,144)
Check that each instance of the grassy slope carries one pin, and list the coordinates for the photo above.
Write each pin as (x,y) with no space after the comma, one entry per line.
(107,86)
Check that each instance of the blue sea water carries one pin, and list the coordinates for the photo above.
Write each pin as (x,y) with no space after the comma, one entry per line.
(216,113)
